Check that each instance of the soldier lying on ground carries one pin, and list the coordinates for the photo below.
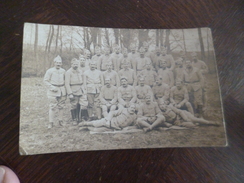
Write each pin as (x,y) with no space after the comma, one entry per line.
(179,117)
(117,120)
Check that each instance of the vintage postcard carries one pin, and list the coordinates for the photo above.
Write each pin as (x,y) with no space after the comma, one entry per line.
(87,88)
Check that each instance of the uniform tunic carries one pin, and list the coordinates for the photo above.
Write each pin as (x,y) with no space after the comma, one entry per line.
(170,115)
(127,94)
(142,91)
(122,118)
(74,81)
(155,60)
(149,110)
(201,66)
(102,62)
(140,63)
(161,91)
(179,73)
(179,95)
(149,76)
(123,60)
(108,94)
(133,56)
(129,74)
(115,60)
(54,79)
(167,76)
(169,60)
(93,81)
(193,79)
(113,76)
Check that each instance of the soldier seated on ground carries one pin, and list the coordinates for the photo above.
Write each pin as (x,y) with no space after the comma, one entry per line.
(116,120)
(179,97)
(149,115)
(179,117)
(108,97)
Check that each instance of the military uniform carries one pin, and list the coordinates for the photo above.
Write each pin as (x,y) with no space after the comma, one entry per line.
(103,61)
(117,119)
(113,76)
(115,57)
(56,93)
(149,76)
(126,95)
(155,60)
(140,64)
(123,60)
(193,80)
(74,86)
(161,92)
(141,92)
(129,74)
(179,73)
(94,82)
(169,60)
(108,98)
(180,96)
(167,76)
(133,56)
(149,115)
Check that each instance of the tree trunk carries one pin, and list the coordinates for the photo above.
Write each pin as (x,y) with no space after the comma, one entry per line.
(201,43)
(157,37)
(61,40)
(56,44)
(36,47)
(167,40)
(116,35)
(142,36)
(161,37)
(51,38)
(184,41)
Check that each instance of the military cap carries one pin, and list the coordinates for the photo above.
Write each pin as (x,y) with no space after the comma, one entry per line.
(57,59)
(123,77)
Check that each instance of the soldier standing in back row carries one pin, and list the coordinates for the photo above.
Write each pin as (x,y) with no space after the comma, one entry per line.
(193,80)
(94,82)
(56,93)
(74,83)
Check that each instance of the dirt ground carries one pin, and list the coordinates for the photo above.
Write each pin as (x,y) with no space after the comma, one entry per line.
(35,138)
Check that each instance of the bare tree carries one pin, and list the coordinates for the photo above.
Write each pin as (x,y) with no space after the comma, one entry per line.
(167,44)
(36,47)
(201,43)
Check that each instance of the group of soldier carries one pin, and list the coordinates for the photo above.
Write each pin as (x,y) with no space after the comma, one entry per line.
(120,89)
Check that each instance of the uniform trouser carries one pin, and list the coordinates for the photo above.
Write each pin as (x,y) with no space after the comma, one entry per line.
(54,104)
(82,100)
(106,108)
(93,108)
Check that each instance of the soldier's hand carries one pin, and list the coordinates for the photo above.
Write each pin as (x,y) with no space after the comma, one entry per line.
(71,96)
(178,106)
(54,90)
(127,105)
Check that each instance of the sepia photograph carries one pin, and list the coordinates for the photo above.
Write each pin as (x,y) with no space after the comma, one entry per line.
(89,88)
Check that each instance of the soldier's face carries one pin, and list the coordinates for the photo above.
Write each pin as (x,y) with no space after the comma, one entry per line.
(158,81)
(148,66)
(117,50)
(126,65)
(124,82)
(142,82)
(82,62)
(158,51)
(148,100)
(188,64)
(164,64)
(125,53)
(75,65)
(93,66)
(107,82)
(178,84)
(58,64)
(146,48)
(133,50)
(109,67)
(98,51)
(162,107)
(132,109)
(142,53)
(88,55)
(179,62)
